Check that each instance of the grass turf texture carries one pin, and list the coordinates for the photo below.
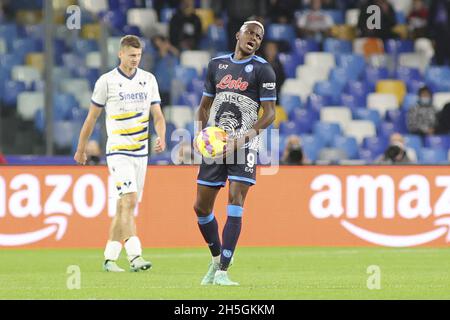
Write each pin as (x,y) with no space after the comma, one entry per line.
(264,273)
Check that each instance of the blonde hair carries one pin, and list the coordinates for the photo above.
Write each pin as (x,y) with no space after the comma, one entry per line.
(130,41)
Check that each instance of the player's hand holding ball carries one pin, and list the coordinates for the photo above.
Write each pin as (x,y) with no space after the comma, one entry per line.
(211,142)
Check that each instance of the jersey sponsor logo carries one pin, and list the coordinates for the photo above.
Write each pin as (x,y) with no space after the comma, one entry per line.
(248,68)
(138,96)
(269,85)
(227,82)
(383,199)
(223,66)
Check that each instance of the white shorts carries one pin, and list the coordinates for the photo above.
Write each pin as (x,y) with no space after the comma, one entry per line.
(128,173)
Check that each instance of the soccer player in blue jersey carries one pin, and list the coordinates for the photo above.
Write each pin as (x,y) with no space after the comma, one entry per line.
(237,85)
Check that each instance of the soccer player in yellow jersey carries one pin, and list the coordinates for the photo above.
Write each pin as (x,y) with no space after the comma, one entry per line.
(129,96)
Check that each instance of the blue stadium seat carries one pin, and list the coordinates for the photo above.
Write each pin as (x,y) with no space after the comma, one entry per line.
(342,75)
(290,127)
(330,89)
(185,74)
(338,16)
(354,62)
(311,146)
(290,102)
(432,156)
(36,31)
(121,5)
(413,85)
(372,75)
(39,120)
(394,46)
(83,46)
(130,29)
(353,102)
(334,45)
(196,86)
(9,60)
(217,38)
(358,89)
(189,99)
(326,131)
(385,129)
(63,103)
(376,144)
(409,101)
(436,74)
(79,114)
(24,46)
(304,119)
(348,144)
(115,19)
(398,119)
(367,155)
(413,141)
(166,14)
(290,63)
(11,91)
(367,114)
(400,17)
(303,46)
(280,32)
(407,73)
(315,102)
(437,141)
(9,32)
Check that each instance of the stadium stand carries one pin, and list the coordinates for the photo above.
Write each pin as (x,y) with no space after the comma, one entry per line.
(344,95)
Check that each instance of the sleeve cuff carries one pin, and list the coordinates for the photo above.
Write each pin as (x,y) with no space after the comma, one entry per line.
(156,102)
(268,99)
(97,104)
(208,94)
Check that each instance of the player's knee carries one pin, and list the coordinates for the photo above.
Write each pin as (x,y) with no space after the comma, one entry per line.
(236,200)
(200,211)
(128,202)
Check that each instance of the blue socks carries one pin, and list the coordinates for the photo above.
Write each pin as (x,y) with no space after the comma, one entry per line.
(230,234)
(210,232)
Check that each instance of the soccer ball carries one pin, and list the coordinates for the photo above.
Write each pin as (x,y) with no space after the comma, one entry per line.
(211,141)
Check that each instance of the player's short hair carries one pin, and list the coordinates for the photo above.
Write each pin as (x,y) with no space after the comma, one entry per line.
(259,24)
(130,41)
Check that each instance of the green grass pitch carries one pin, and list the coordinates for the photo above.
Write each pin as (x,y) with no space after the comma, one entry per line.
(264,273)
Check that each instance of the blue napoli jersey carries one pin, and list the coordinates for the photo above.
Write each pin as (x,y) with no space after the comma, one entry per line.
(238,87)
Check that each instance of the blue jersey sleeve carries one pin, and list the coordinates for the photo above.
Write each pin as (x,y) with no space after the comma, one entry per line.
(210,86)
(267,88)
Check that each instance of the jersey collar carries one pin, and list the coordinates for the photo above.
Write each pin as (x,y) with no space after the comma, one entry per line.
(240,61)
(124,75)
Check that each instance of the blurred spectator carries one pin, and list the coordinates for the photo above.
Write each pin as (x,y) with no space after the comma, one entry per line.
(164,66)
(396,152)
(443,120)
(185,27)
(421,119)
(93,153)
(315,23)
(158,5)
(238,12)
(417,19)
(293,152)
(185,154)
(270,53)
(439,28)
(282,11)
(388,20)
(326,4)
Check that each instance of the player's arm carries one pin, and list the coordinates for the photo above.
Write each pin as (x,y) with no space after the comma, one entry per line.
(86,131)
(159,123)
(202,115)
(267,118)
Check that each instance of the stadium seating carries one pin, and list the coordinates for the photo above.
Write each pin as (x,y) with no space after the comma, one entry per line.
(440,99)
(432,156)
(196,59)
(360,129)
(340,115)
(28,103)
(395,87)
(145,19)
(382,102)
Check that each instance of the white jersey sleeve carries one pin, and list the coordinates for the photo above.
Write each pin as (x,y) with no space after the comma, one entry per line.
(100,93)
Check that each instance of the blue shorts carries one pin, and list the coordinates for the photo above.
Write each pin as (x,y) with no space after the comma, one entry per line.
(239,168)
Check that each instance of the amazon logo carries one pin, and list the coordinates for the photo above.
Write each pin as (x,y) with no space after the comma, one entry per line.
(358,201)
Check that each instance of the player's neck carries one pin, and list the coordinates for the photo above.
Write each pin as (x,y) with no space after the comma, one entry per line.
(127,71)
(239,55)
